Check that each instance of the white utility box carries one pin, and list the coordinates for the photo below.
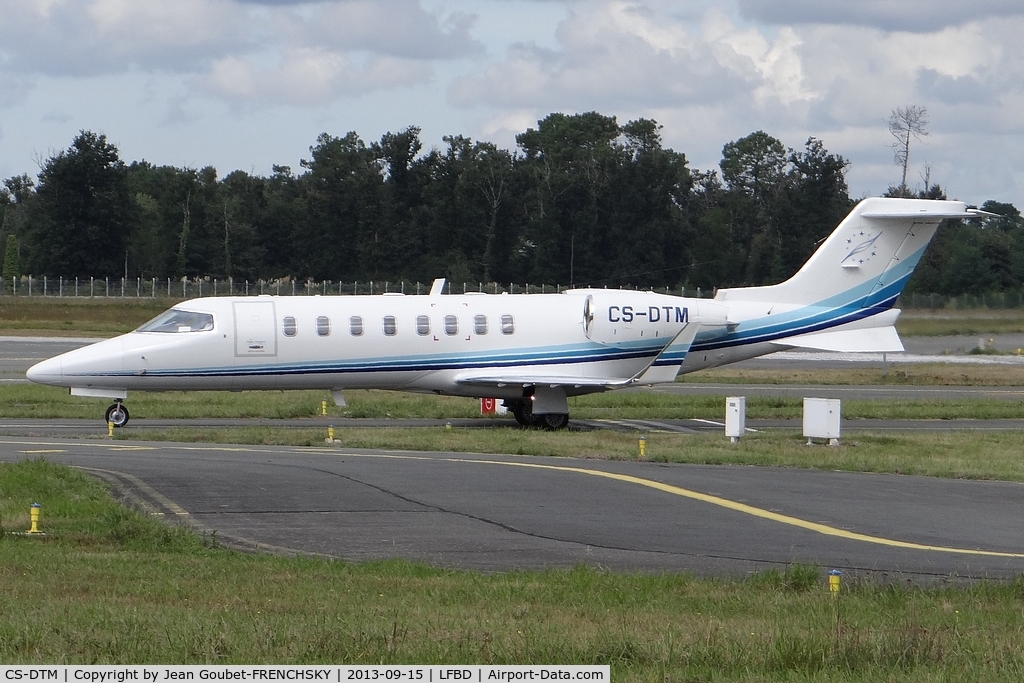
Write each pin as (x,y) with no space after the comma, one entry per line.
(735,417)
(821,420)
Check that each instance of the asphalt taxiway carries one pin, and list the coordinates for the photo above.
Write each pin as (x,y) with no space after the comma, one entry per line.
(504,512)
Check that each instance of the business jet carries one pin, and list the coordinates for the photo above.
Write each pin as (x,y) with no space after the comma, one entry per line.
(532,351)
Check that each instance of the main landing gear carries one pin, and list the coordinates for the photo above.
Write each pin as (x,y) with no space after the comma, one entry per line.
(117,414)
(550,421)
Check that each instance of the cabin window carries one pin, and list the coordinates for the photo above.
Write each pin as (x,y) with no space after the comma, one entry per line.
(323,325)
(390,325)
(508,324)
(480,324)
(423,325)
(176,320)
(451,324)
(288,326)
(355,326)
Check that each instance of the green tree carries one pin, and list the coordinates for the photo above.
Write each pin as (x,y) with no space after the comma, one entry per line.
(12,269)
(648,210)
(809,205)
(166,208)
(568,160)
(83,218)
(16,197)
(468,211)
(339,206)
(754,169)
(393,249)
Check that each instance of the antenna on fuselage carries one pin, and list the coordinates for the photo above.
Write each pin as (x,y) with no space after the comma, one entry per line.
(437,289)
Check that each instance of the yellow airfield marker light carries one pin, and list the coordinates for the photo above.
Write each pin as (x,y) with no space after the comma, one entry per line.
(448,426)
(323,407)
(643,446)
(33,513)
(834,577)
(330,434)
(110,429)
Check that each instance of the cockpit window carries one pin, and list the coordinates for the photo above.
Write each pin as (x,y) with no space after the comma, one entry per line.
(176,320)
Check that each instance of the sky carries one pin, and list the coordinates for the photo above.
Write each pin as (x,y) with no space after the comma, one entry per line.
(247,84)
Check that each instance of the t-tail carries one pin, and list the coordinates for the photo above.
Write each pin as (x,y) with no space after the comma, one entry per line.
(842,298)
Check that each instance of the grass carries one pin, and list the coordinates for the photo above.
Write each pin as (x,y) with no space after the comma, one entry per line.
(111,586)
(927,323)
(35,401)
(895,374)
(76,317)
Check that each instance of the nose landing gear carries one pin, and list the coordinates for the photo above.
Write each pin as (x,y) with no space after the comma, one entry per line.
(117,414)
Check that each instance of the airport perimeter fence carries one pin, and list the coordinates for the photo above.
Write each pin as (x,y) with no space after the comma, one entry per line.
(189,288)
(936,302)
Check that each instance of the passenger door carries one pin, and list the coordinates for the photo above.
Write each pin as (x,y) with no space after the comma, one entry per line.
(255,328)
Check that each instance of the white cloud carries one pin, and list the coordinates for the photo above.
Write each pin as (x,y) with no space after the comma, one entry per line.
(318,48)
(67,37)
(309,77)
(626,54)
(503,129)
(399,28)
(920,16)
(13,90)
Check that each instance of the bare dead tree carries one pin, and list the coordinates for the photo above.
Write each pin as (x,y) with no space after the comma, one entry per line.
(906,123)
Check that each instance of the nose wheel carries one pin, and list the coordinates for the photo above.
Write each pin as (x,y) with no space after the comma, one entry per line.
(117,414)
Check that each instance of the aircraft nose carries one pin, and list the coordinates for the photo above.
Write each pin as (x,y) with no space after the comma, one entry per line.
(48,371)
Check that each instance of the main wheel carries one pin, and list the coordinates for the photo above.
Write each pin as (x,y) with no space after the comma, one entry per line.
(553,421)
(519,413)
(117,414)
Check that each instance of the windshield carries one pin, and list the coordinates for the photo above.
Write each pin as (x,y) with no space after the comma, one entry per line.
(176,320)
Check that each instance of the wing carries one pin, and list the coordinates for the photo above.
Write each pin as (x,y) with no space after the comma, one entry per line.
(663,368)
(511,378)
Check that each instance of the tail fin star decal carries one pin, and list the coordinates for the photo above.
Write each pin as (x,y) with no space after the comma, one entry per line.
(854,252)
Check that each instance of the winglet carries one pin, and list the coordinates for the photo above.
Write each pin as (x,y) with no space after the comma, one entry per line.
(665,366)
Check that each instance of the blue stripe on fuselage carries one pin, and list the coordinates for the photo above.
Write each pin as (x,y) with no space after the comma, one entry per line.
(862,301)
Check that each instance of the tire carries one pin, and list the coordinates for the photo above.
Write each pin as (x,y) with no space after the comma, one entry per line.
(117,414)
(519,413)
(554,421)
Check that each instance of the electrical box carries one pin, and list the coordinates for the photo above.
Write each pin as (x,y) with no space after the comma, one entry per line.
(735,417)
(821,419)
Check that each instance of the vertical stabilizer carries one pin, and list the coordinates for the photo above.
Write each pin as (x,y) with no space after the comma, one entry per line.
(865,262)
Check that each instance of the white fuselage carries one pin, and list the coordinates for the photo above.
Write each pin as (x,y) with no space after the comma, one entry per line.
(411,343)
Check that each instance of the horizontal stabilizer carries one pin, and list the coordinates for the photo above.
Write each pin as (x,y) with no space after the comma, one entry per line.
(922,210)
(870,340)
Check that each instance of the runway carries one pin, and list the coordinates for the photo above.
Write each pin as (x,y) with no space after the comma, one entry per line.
(503,512)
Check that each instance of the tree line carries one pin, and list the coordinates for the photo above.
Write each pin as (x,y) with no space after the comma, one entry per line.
(582,200)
